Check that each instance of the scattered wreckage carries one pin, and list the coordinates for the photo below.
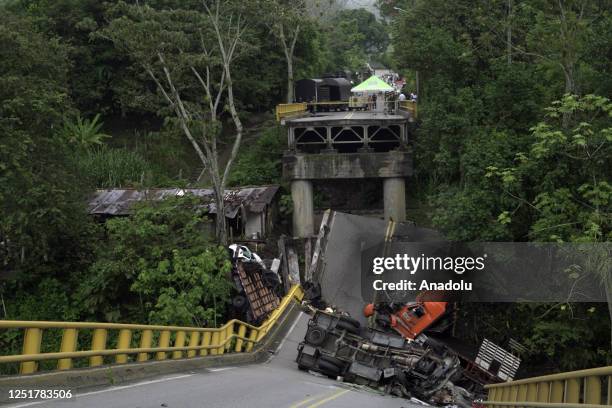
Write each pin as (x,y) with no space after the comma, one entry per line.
(259,287)
(338,347)
(396,356)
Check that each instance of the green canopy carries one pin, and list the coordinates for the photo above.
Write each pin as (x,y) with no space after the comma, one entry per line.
(373,84)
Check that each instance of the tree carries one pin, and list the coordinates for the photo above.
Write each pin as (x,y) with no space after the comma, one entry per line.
(187,53)
(158,265)
(41,198)
(286,24)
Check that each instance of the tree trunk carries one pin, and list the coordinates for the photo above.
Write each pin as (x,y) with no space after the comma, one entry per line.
(220,221)
(290,80)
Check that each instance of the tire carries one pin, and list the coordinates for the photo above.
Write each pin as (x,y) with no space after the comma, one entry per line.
(315,336)
(329,369)
(239,302)
(333,360)
(348,324)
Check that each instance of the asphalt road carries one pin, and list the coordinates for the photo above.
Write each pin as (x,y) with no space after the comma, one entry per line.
(275,383)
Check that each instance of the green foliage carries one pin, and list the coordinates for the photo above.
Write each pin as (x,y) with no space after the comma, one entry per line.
(114,168)
(84,133)
(158,265)
(40,194)
(260,161)
(562,179)
(355,37)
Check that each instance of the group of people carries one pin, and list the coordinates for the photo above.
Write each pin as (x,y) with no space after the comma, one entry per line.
(411,95)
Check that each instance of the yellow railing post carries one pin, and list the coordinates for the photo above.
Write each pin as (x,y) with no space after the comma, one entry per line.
(194,338)
(543,389)
(572,391)
(206,340)
(228,336)
(98,342)
(164,341)
(146,339)
(179,342)
(214,342)
(592,390)
(241,333)
(532,392)
(220,340)
(31,345)
(125,337)
(69,344)
(556,391)
(252,337)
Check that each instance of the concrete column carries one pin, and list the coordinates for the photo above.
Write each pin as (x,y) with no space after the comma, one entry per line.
(303,208)
(394,189)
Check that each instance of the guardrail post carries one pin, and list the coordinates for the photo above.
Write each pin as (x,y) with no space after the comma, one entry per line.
(206,339)
(179,342)
(164,341)
(228,336)
(220,338)
(543,390)
(610,390)
(69,344)
(572,391)
(194,338)
(98,342)
(146,338)
(31,345)
(241,333)
(253,338)
(592,390)
(125,337)
(556,391)
(522,393)
(532,392)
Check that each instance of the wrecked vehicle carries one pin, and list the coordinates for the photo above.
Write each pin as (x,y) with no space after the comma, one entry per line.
(338,347)
(259,288)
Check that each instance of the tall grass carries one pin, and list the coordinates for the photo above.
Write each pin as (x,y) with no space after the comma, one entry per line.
(106,167)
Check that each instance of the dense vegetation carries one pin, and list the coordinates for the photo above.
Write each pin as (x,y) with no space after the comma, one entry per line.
(513,144)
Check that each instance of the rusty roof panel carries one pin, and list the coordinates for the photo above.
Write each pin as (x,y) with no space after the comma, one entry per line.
(119,201)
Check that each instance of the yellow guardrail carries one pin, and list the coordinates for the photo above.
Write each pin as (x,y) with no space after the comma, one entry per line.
(285,110)
(576,389)
(234,336)
(409,106)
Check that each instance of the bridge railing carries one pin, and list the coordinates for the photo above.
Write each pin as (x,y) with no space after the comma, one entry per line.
(410,107)
(181,342)
(577,389)
(286,110)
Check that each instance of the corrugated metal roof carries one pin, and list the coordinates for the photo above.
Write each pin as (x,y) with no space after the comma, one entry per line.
(118,201)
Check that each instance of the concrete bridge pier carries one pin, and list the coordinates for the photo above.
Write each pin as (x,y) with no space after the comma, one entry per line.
(303,208)
(394,190)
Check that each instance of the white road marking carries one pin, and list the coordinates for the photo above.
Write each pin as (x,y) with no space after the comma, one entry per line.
(214,370)
(118,388)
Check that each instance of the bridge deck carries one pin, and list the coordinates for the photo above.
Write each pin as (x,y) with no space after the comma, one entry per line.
(352,117)
(276,383)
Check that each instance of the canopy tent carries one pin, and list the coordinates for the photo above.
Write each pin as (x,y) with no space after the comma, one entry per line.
(373,84)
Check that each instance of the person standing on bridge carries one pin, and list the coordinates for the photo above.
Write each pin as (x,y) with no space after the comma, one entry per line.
(402,97)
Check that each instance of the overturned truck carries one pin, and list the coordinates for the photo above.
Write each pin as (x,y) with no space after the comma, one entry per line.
(338,347)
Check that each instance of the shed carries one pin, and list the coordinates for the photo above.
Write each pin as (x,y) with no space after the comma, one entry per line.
(249,210)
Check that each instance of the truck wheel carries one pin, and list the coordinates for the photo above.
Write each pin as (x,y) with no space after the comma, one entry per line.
(329,369)
(348,324)
(315,336)
(239,302)
(333,360)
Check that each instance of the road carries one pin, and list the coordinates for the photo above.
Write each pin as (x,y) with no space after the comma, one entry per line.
(274,383)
